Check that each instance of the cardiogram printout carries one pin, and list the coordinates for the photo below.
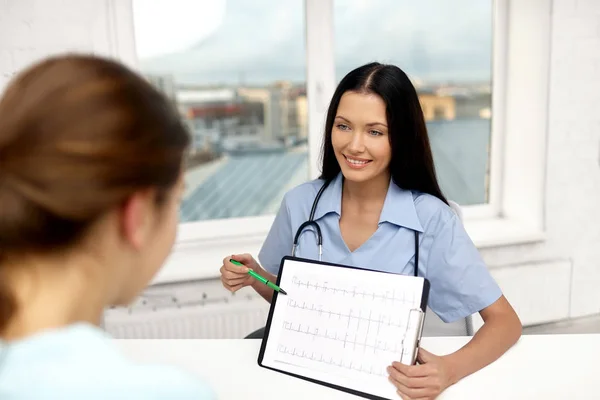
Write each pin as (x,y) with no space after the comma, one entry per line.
(343,326)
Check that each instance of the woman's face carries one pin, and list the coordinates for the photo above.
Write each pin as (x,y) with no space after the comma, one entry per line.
(159,236)
(360,137)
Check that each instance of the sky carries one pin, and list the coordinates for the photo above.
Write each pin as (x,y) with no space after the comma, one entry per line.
(258,41)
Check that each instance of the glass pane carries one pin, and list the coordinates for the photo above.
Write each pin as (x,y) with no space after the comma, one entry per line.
(236,71)
(445,47)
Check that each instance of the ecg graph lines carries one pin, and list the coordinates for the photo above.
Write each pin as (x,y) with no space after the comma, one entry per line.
(349,316)
(329,360)
(345,328)
(354,292)
(345,339)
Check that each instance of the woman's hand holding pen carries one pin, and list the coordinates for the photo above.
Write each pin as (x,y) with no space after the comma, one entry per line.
(234,277)
(424,381)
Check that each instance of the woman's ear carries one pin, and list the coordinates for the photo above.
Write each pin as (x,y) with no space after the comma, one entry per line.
(136,218)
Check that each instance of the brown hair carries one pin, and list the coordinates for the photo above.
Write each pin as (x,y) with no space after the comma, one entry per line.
(78,135)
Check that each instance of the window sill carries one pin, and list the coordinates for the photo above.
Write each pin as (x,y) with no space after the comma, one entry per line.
(499,232)
(201,258)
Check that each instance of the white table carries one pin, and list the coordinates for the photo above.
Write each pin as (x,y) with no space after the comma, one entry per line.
(537,367)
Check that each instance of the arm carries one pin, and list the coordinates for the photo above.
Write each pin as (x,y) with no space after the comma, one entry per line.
(500,331)
(234,277)
(263,290)
(434,374)
(460,285)
(276,245)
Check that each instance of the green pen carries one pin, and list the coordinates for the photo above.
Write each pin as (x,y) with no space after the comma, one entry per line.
(260,278)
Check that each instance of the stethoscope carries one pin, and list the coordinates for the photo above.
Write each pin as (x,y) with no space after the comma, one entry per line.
(315,225)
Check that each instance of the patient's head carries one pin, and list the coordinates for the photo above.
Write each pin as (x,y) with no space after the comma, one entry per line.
(90,178)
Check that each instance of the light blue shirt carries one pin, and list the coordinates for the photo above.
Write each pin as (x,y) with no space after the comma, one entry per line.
(81,362)
(460,281)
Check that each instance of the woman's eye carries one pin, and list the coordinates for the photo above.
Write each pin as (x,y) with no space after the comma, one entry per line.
(376,133)
(342,127)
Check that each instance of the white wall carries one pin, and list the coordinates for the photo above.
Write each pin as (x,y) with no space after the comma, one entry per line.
(31,29)
(559,278)
(555,279)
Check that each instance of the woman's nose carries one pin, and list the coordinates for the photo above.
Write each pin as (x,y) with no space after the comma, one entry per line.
(357,142)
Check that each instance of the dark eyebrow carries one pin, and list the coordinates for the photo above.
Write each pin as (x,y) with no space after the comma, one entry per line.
(340,117)
(369,124)
(377,123)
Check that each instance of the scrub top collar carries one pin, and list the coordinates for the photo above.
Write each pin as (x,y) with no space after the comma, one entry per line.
(398,207)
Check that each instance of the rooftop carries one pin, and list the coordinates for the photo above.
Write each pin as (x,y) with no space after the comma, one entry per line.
(253,184)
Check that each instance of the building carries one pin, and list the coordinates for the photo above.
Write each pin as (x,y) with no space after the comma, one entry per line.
(228,119)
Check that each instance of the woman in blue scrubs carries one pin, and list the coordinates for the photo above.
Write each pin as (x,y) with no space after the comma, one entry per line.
(383,188)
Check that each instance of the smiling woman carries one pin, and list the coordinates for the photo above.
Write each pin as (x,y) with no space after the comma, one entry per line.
(252,79)
(361,126)
(446,50)
(361,144)
(381,208)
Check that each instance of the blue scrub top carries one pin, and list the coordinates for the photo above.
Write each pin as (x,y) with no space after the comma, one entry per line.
(80,361)
(460,281)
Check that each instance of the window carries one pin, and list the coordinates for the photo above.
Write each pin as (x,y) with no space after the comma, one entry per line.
(236,72)
(485,107)
(446,49)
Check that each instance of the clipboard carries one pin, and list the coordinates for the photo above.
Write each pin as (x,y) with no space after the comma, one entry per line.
(324,332)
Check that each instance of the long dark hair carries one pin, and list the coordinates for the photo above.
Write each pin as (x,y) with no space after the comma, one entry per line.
(411,166)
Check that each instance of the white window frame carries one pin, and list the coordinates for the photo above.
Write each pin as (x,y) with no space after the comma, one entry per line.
(521,72)
(514,213)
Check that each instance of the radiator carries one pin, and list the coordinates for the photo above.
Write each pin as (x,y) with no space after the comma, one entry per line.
(205,310)
(202,310)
